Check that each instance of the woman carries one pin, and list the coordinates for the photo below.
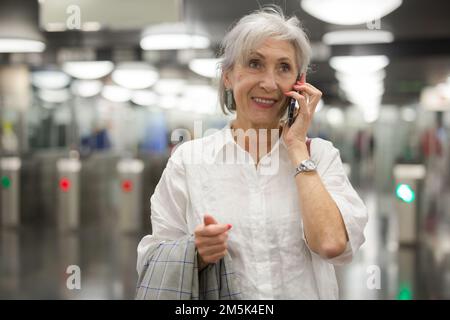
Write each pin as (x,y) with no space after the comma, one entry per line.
(252,190)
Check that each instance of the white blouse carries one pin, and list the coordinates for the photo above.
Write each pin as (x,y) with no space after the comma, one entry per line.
(267,245)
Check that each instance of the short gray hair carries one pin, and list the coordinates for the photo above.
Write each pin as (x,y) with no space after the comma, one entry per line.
(254,28)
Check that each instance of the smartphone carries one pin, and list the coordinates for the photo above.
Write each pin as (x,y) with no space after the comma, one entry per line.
(291,107)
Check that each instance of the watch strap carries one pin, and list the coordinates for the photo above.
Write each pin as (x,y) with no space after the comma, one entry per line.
(308,145)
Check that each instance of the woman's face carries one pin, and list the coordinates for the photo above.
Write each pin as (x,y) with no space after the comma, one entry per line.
(259,84)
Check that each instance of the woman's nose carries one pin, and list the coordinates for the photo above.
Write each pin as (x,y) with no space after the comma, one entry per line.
(268,82)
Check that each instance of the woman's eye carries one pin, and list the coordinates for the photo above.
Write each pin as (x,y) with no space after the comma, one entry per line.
(285,67)
(255,64)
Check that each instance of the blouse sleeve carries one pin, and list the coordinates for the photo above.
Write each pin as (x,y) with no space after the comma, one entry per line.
(168,207)
(168,203)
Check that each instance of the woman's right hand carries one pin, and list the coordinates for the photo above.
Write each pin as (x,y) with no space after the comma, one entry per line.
(211,240)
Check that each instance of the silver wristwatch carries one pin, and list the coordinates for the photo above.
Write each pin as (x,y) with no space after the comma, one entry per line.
(305,166)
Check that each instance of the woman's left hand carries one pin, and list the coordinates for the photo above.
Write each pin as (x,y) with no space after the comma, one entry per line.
(307,99)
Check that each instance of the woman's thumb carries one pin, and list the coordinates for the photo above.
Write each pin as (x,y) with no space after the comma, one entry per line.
(208,219)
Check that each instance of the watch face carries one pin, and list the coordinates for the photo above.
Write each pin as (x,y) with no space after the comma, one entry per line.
(310,165)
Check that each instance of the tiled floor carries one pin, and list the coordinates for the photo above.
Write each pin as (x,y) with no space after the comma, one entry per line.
(34,264)
(34,261)
(385,269)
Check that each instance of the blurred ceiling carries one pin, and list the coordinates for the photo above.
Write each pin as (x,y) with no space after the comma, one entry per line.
(111,14)
(419,55)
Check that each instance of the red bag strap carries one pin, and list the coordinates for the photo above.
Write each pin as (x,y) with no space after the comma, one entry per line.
(308,145)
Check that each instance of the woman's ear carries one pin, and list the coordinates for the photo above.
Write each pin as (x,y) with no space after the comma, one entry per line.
(226,79)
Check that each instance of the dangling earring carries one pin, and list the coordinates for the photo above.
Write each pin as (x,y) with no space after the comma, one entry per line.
(229,99)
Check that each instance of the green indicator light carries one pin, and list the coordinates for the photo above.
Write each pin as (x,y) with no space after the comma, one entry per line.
(405,193)
(6,182)
(404,293)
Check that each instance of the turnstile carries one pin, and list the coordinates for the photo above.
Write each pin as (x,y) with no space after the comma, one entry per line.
(68,193)
(407,178)
(130,205)
(10,191)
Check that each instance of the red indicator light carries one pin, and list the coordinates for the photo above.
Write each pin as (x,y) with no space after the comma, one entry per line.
(64,184)
(127,186)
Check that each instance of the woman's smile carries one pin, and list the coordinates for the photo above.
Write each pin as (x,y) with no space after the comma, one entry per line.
(263,102)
